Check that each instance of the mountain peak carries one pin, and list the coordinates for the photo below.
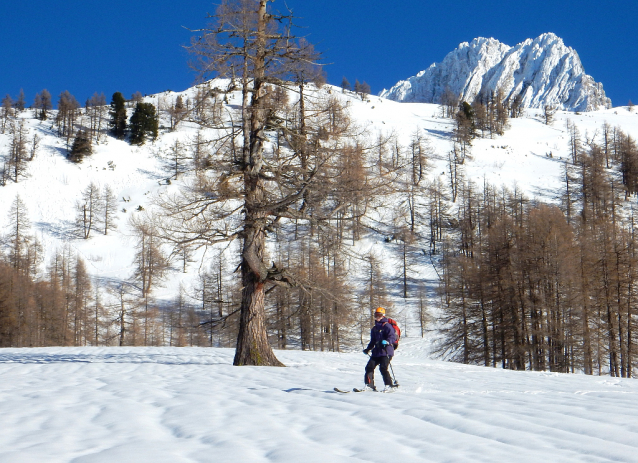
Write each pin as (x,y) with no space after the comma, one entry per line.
(543,71)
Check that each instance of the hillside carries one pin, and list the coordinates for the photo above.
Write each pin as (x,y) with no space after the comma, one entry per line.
(529,156)
(168,405)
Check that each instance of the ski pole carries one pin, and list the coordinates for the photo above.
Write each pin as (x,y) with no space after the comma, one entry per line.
(393,377)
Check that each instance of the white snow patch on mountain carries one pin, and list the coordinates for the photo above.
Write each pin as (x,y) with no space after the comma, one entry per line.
(543,71)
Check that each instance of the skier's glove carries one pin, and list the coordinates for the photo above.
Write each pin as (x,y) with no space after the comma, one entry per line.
(384,343)
(366,351)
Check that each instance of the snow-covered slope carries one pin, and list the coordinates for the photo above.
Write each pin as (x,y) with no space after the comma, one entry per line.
(178,405)
(543,71)
(137,174)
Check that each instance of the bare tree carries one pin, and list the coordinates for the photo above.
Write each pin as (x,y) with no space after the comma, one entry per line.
(96,109)
(42,102)
(20,103)
(7,111)
(109,209)
(90,210)
(177,112)
(150,262)
(345,85)
(256,48)
(18,235)
(16,164)
(67,115)
(176,159)
(449,103)
(548,114)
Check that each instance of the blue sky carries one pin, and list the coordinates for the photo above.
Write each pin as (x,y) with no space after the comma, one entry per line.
(85,46)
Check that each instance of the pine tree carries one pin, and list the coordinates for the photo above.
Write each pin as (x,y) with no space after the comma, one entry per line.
(81,147)
(117,123)
(143,123)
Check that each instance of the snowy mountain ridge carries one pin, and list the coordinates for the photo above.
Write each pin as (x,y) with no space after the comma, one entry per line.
(543,71)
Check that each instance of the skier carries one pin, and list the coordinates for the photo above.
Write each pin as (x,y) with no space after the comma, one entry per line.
(382,338)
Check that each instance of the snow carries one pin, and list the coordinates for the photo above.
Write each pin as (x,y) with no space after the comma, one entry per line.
(159,405)
(543,71)
(137,175)
(190,405)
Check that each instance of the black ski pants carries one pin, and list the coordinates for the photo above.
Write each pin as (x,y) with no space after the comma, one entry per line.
(383,363)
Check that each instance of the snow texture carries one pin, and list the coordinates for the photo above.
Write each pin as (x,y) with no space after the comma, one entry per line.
(543,71)
(529,156)
(174,405)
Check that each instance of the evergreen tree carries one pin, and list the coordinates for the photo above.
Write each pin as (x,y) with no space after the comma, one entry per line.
(144,122)
(81,147)
(117,123)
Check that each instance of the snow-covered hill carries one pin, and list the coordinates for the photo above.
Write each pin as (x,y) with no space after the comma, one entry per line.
(174,405)
(54,185)
(543,71)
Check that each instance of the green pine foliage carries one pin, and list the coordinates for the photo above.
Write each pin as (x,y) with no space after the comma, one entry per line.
(81,147)
(143,123)
(117,123)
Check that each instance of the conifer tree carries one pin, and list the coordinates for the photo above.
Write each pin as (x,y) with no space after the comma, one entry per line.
(143,123)
(117,123)
(81,147)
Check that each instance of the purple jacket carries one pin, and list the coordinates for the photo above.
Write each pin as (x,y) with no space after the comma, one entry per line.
(382,330)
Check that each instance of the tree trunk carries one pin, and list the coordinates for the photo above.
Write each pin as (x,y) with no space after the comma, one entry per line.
(253,347)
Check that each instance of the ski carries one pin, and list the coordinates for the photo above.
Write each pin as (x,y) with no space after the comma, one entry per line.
(341,391)
(389,391)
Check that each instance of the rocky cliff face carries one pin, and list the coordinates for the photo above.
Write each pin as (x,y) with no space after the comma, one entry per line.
(543,71)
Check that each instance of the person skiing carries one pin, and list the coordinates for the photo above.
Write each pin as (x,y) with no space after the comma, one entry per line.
(382,338)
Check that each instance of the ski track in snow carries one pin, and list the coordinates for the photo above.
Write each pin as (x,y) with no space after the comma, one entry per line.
(191,405)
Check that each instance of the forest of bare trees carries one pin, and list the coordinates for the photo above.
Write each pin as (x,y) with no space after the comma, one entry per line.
(528,285)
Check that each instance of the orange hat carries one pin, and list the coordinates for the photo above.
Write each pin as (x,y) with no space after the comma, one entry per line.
(380,310)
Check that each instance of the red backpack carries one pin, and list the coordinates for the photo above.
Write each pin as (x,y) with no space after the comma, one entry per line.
(397,330)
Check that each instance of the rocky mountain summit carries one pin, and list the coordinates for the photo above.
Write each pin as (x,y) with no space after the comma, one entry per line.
(543,71)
